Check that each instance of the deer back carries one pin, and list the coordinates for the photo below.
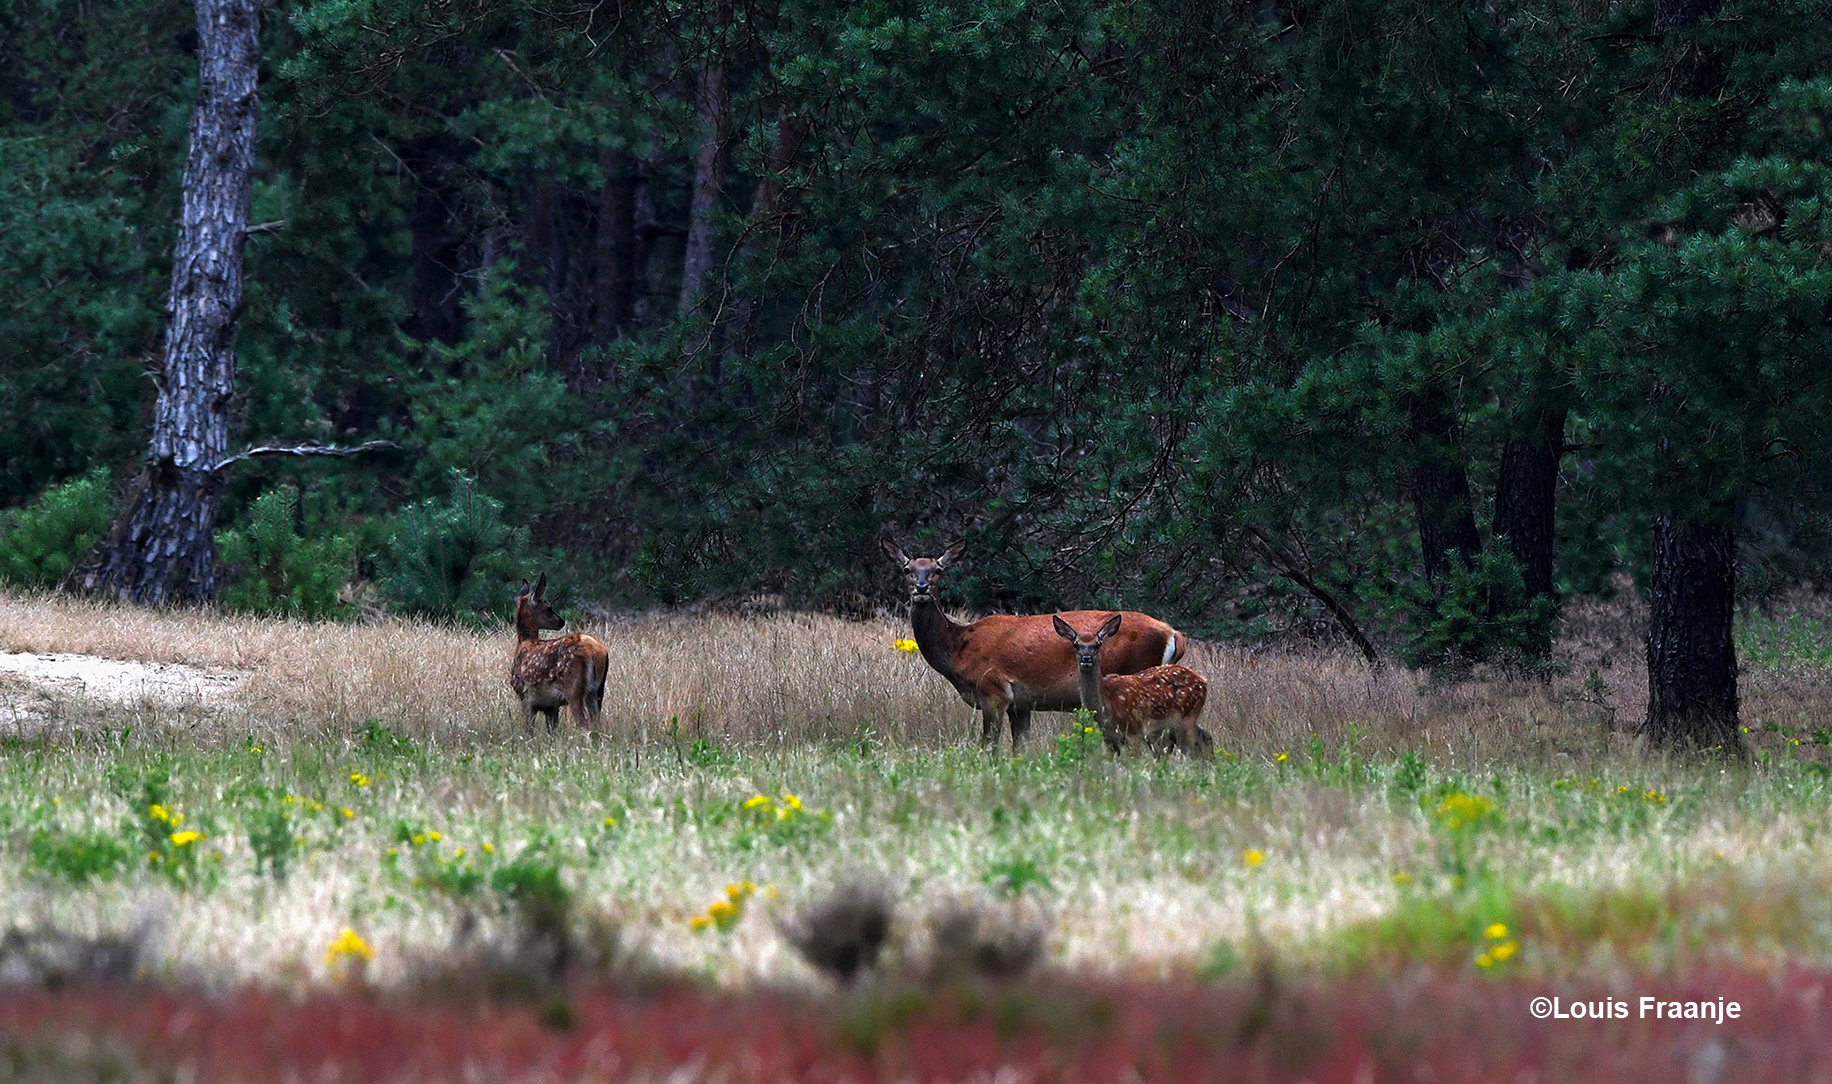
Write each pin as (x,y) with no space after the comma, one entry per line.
(1027,650)
(1153,695)
(553,662)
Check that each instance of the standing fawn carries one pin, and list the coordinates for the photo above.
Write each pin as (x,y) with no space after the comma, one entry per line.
(1008,665)
(1164,700)
(566,670)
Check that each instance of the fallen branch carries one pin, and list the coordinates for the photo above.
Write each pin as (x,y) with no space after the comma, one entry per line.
(306,449)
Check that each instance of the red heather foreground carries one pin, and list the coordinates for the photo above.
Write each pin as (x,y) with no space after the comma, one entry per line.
(1359,1030)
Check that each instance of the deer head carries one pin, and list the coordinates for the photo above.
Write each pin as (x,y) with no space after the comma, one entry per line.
(533,612)
(919,572)
(1087,648)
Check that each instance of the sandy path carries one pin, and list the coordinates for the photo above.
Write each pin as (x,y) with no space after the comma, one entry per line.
(29,683)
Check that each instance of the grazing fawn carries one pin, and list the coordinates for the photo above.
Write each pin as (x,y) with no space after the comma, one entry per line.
(1008,665)
(566,670)
(1149,704)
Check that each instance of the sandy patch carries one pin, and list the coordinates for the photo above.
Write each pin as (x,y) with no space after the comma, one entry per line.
(37,687)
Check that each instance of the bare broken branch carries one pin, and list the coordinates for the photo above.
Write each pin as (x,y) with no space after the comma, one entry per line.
(306,449)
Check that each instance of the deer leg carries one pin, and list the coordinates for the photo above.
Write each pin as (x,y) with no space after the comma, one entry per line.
(991,713)
(1020,726)
(553,718)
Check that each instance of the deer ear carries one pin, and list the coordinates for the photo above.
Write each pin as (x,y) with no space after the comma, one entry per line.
(951,554)
(1062,628)
(523,593)
(895,552)
(1107,630)
(540,586)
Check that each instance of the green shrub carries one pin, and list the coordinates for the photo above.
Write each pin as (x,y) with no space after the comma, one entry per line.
(79,856)
(270,569)
(42,541)
(454,559)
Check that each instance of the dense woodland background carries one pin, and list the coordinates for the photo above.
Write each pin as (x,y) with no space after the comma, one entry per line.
(1397,322)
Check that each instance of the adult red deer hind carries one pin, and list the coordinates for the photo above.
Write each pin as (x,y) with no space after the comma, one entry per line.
(566,670)
(1012,665)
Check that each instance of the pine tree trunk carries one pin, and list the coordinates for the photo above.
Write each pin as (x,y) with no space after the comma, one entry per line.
(165,550)
(713,96)
(1692,662)
(1440,494)
(615,270)
(1525,497)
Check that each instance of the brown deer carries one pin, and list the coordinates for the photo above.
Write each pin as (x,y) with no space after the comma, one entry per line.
(1012,665)
(1145,705)
(566,670)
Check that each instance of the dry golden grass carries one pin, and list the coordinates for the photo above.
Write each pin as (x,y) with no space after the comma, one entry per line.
(765,681)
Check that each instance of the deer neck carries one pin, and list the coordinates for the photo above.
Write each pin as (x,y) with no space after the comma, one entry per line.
(937,637)
(525,627)
(1090,692)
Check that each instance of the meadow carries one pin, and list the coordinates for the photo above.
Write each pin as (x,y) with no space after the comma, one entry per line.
(378,779)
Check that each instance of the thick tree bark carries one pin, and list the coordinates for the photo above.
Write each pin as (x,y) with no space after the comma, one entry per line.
(614,279)
(165,550)
(713,99)
(1692,662)
(1440,493)
(1525,497)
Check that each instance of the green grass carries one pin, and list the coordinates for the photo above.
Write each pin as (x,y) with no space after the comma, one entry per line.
(1365,862)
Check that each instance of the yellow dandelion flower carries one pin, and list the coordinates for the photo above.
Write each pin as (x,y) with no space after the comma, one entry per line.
(434,836)
(739,890)
(1654,796)
(904,645)
(1623,789)
(419,839)
(359,779)
(1280,759)
(758,801)
(185,839)
(698,923)
(348,943)
(459,853)
(1502,951)
(489,848)
(1252,856)
(721,910)
(349,814)
(1496,932)
(610,822)
(1485,961)
(158,812)
(792,802)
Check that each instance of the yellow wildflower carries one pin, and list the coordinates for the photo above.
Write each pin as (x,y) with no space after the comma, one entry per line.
(359,779)
(348,943)
(904,645)
(758,801)
(610,822)
(185,839)
(1280,759)
(1485,961)
(739,890)
(158,812)
(434,836)
(698,923)
(721,911)
(349,814)
(1252,856)
(489,848)
(1496,932)
(1503,951)
(1654,796)
(1402,878)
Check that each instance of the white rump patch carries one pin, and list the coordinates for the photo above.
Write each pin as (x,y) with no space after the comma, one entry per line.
(1170,650)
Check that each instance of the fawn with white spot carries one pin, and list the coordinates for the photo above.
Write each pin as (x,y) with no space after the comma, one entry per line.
(1152,704)
(566,670)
